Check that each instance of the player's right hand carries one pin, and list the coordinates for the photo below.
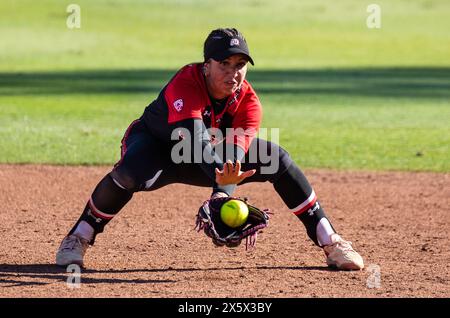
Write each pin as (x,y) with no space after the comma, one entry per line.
(232,174)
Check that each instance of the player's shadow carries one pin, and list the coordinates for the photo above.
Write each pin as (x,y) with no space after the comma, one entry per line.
(52,269)
(20,274)
(239,268)
(16,274)
(13,275)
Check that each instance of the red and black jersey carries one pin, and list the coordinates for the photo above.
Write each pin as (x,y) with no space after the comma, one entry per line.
(186,96)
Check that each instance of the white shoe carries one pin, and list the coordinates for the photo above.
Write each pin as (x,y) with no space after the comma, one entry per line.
(71,251)
(341,255)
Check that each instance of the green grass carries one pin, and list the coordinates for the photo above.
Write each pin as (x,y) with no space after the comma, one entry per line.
(343,96)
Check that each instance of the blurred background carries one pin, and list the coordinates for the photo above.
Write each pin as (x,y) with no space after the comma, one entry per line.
(345,96)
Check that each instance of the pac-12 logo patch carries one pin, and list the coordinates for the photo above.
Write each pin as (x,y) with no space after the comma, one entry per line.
(234,42)
(178,104)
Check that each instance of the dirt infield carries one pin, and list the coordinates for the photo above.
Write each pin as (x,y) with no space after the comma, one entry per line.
(399,222)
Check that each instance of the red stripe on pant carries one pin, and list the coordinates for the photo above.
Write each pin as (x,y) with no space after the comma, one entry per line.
(306,205)
(99,214)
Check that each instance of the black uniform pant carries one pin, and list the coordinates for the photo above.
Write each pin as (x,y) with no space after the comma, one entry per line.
(146,164)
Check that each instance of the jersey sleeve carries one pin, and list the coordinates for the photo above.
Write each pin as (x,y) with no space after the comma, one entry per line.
(184,100)
(246,121)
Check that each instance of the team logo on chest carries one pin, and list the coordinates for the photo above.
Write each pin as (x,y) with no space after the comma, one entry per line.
(178,104)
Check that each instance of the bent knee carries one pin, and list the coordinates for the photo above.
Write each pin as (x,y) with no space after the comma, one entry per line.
(271,159)
(125,180)
(285,162)
(285,159)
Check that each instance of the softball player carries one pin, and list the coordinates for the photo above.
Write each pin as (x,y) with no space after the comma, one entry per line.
(203,101)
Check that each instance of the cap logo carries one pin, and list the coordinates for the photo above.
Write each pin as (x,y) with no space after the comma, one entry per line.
(234,42)
(178,104)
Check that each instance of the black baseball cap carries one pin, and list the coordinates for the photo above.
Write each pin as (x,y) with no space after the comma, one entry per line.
(223,43)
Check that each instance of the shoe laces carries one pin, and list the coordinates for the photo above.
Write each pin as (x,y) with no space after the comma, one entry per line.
(344,245)
(71,243)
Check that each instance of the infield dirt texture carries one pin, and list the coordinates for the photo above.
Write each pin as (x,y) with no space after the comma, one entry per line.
(363,111)
(397,221)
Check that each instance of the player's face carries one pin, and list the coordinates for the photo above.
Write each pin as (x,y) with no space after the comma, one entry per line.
(225,77)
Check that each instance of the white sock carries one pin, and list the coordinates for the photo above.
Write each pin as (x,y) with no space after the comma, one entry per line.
(84,230)
(324,232)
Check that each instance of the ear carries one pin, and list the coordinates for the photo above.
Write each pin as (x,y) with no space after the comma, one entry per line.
(206,66)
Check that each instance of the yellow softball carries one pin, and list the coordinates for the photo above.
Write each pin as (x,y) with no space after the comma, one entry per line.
(234,213)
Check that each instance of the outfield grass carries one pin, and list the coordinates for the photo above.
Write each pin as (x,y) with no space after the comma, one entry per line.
(343,96)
